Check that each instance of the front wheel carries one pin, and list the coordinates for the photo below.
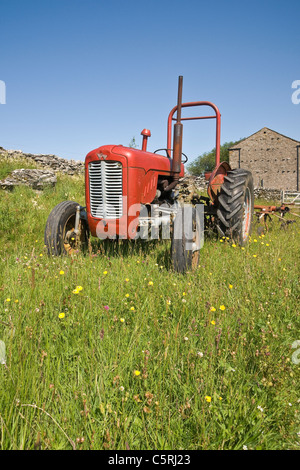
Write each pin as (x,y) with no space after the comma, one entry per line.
(235,206)
(60,236)
(187,239)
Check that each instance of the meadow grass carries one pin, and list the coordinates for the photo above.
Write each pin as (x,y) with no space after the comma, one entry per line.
(114,350)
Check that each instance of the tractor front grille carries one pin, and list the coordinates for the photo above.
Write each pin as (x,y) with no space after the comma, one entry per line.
(106,184)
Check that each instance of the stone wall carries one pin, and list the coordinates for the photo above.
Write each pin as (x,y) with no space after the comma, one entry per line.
(49,162)
(271,158)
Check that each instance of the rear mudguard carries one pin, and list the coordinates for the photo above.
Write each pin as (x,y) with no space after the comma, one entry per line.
(216,179)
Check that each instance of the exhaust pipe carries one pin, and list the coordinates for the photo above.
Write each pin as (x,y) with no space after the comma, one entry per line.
(177,140)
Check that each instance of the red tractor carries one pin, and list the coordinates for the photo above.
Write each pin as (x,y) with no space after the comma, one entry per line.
(130,192)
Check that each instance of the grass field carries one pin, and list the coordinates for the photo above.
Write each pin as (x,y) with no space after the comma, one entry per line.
(113,350)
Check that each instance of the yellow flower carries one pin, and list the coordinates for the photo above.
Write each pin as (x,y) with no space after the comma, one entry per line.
(267,244)
(75,291)
(61,315)
(234,246)
(132,308)
(126,279)
(221,241)
(137,373)
(254,256)
(208,399)
(122,320)
(213,322)
(7,300)
(104,272)
(212,309)
(222,307)
(220,398)
(61,272)
(16,301)
(126,295)
(150,283)
(183,293)
(79,288)
(230,286)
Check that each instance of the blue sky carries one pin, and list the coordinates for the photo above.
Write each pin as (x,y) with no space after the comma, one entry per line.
(80,74)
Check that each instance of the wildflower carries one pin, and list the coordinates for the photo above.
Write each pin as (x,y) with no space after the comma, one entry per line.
(267,244)
(7,300)
(122,320)
(75,291)
(132,309)
(213,322)
(126,295)
(61,315)
(106,307)
(184,301)
(185,338)
(121,389)
(255,241)
(260,408)
(220,398)
(127,280)
(222,307)
(200,354)
(168,302)
(233,246)
(61,272)
(212,309)
(254,256)
(104,272)
(137,373)
(150,283)
(16,301)
(208,399)
(245,447)
(230,286)
(221,241)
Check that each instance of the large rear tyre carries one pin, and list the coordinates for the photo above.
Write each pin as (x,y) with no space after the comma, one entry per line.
(187,237)
(236,206)
(59,236)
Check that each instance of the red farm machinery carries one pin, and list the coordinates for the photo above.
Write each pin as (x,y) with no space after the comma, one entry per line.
(131,192)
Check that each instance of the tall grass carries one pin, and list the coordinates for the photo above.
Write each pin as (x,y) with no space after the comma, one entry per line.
(113,350)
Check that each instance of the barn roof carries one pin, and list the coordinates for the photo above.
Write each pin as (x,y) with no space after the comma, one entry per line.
(236,146)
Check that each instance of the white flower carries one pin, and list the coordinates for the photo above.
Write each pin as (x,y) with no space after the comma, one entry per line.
(245,447)
(121,388)
(200,354)
(186,338)
(260,408)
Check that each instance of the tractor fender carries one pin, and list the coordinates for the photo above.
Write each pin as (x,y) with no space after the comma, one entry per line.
(216,179)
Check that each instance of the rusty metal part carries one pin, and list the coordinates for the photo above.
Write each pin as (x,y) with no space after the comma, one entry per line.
(216,180)
(177,137)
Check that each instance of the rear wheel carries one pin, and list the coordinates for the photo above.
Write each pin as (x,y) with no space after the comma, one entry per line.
(60,237)
(235,206)
(186,240)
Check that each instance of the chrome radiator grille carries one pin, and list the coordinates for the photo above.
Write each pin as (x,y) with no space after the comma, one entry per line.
(106,184)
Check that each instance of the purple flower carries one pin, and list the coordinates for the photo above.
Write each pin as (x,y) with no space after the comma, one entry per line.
(106,307)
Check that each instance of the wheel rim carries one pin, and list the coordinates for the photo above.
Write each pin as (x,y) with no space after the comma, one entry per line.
(196,242)
(71,241)
(247,214)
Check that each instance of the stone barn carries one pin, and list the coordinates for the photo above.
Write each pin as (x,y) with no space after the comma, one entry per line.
(272,158)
